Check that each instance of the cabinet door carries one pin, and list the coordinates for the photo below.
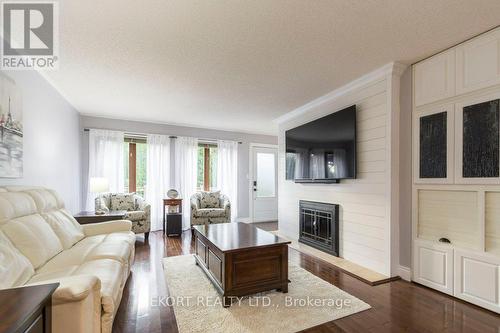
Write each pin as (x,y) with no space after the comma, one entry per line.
(433,145)
(433,265)
(477,139)
(434,78)
(477,280)
(478,63)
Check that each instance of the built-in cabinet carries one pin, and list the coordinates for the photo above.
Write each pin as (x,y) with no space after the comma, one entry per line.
(456,171)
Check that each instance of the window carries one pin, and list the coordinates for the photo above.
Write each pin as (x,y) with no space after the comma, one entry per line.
(135,165)
(207,167)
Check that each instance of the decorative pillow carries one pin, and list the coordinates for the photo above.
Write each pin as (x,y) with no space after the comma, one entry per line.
(210,199)
(123,201)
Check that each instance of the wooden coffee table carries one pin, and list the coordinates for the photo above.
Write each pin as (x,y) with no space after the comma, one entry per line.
(241,259)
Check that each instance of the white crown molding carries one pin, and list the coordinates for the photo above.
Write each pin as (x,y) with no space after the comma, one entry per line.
(393,68)
(177,124)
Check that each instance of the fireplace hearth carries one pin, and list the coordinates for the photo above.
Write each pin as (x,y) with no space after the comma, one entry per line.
(319,226)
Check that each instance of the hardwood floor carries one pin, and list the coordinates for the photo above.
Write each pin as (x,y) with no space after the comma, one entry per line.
(397,306)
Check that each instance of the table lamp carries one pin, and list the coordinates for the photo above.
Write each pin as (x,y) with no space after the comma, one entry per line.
(99,185)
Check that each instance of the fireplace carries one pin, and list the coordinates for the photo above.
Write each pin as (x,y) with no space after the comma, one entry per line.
(319,226)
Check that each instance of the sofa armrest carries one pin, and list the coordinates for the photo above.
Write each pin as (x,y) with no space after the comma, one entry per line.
(224,202)
(143,206)
(195,203)
(73,288)
(106,227)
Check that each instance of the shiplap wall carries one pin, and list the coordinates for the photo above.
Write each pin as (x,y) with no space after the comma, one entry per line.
(364,202)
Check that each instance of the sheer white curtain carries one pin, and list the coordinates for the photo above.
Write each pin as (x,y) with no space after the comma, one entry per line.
(186,160)
(105,160)
(157,176)
(227,172)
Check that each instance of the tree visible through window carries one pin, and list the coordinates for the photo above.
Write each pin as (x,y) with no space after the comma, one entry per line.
(207,167)
(135,155)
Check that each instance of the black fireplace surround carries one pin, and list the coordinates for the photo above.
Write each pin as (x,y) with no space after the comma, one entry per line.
(319,226)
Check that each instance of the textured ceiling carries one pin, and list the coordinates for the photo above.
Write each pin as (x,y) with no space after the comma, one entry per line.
(237,65)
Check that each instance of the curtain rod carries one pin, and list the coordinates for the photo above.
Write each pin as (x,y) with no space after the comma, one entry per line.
(170,136)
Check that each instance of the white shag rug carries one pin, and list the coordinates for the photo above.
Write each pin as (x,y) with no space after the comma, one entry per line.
(310,301)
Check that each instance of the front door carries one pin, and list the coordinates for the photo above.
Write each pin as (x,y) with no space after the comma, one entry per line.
(264,178)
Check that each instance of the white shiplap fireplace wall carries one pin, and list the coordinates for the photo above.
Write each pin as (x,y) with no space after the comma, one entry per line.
(369,233)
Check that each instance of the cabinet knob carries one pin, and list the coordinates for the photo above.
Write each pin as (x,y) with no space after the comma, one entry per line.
(444,240)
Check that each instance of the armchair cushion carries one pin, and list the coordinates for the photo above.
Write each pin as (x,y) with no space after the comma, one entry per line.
(123,201)
(210,199)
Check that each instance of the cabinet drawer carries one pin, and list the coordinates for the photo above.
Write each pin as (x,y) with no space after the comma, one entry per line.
(433,266)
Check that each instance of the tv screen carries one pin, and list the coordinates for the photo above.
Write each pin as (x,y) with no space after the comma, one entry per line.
(323,150)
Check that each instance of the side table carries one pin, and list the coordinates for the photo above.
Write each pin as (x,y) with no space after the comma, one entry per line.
(91,217)
(172,221)
(27,309)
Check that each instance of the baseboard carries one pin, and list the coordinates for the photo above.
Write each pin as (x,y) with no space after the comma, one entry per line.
(405,273)
(248,220)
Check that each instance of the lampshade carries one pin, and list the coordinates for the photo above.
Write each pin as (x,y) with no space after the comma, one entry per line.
(99,185)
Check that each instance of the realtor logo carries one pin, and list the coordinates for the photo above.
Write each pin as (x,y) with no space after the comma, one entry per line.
(30,35)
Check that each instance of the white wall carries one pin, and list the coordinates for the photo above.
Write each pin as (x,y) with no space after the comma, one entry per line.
(368,204)
(405,167)
(158,128)
(51,139)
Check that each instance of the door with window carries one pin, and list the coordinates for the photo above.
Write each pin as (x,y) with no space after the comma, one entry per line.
(264,181)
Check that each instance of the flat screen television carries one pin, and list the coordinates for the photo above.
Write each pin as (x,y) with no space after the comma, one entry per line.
(323,150)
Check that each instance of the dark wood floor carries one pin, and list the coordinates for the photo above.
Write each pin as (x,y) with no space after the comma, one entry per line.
(396,307)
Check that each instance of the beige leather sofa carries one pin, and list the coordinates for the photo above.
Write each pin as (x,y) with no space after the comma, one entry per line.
(40,242)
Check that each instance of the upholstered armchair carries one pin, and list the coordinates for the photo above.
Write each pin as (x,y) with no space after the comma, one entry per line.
(210,208)
(138,210)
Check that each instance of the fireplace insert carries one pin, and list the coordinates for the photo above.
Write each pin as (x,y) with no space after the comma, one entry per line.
(319,226)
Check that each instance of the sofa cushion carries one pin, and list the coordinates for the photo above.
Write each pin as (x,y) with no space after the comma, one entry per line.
(210,199)
(110,273)
(15,204)
(210,212)
(15,269)
(33,237)
(122,201)
(46,200)
(116,246)
(67,229)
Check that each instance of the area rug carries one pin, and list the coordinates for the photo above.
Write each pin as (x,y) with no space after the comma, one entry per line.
(310,301)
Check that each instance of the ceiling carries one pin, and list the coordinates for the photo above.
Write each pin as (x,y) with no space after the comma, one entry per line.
(237,65)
